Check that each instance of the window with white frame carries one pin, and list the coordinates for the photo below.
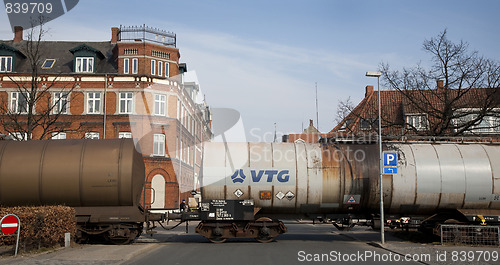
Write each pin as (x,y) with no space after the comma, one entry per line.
(153,67)
(19,136)
(167,74)
(84,65)
(126,102)
(345,125)
(160,104)
(58,135)
(124,135)
(5,63)
(488,124)
(416,121)
(19,102)
(135,66)
(159,144)
(93,102)
(91,135)
(160,68)
(125,66)
(60,103)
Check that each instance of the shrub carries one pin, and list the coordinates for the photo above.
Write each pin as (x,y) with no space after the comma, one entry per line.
(41,226)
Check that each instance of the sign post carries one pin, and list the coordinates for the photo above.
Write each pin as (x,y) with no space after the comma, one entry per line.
(9,225)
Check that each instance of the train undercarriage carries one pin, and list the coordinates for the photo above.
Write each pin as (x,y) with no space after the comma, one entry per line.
(224,219)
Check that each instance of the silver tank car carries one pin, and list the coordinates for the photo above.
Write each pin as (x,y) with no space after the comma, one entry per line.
(302,178)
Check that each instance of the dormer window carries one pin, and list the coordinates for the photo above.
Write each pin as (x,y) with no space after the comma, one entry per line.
(86,58)
(84,64)
(5,63)
(8,57)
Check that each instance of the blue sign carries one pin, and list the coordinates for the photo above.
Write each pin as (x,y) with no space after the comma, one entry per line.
(390,159)
(261,175)
(390,170)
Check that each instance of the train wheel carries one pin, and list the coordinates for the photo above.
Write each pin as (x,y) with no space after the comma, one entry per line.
(265,239)
(118,241)
(217,240)
(121,236)
(264,232)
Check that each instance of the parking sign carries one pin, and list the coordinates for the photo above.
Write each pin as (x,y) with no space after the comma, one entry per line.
(390,159)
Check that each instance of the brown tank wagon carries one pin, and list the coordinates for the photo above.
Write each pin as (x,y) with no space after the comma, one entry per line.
(101,179)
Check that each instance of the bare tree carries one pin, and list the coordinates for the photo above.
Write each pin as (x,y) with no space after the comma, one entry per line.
(39,101)
(344,107)
(467,98)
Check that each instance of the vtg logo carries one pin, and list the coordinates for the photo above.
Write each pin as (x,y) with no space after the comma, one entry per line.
(281,175)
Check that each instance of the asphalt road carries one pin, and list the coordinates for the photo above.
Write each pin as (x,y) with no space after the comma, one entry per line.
(304,243)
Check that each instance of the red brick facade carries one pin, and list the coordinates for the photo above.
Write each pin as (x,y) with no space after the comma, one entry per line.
(183,122)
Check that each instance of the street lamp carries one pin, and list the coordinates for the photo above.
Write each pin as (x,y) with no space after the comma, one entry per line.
(382,237)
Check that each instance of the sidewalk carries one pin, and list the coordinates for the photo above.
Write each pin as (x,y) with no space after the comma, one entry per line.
(95,254)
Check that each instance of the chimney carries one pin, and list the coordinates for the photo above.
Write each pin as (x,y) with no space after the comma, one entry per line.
(18,33)
(114,34)
(311,123)
(368,90)
(440,85)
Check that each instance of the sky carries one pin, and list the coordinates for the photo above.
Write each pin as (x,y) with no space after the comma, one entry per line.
(265,58)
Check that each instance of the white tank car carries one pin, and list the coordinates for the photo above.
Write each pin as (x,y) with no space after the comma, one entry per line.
(298,178)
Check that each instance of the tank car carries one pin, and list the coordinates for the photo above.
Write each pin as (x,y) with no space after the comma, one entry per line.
(433,183)
(101,179)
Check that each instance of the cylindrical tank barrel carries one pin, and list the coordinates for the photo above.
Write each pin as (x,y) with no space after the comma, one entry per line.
(70,172)
(340,178)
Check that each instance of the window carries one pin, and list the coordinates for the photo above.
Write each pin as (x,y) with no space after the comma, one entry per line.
(416,121)
(125,66)
(91,135)
(345,125)
(58,135)
(60,103)
(167,74)
(19,136)
(124,135)
(84,65)
(159,144)
(369,123)
(93,103)
(153,67)
(488,124)
(19,102)
(160,104)
(5,63)
(160,68)
(48,63)
(126,103)
(135,66)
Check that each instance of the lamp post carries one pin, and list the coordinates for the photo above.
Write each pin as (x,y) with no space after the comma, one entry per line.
(382,237)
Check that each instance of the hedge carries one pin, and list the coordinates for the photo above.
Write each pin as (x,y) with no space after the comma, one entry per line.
(41,226)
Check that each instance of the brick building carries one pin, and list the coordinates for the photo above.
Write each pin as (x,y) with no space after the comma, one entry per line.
(418,113)
(131,86)
(308,135)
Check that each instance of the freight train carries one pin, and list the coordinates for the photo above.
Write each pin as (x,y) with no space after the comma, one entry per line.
(101,179)
(247,188)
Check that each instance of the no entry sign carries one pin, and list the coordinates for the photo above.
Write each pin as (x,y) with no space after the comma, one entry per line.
(9,224)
